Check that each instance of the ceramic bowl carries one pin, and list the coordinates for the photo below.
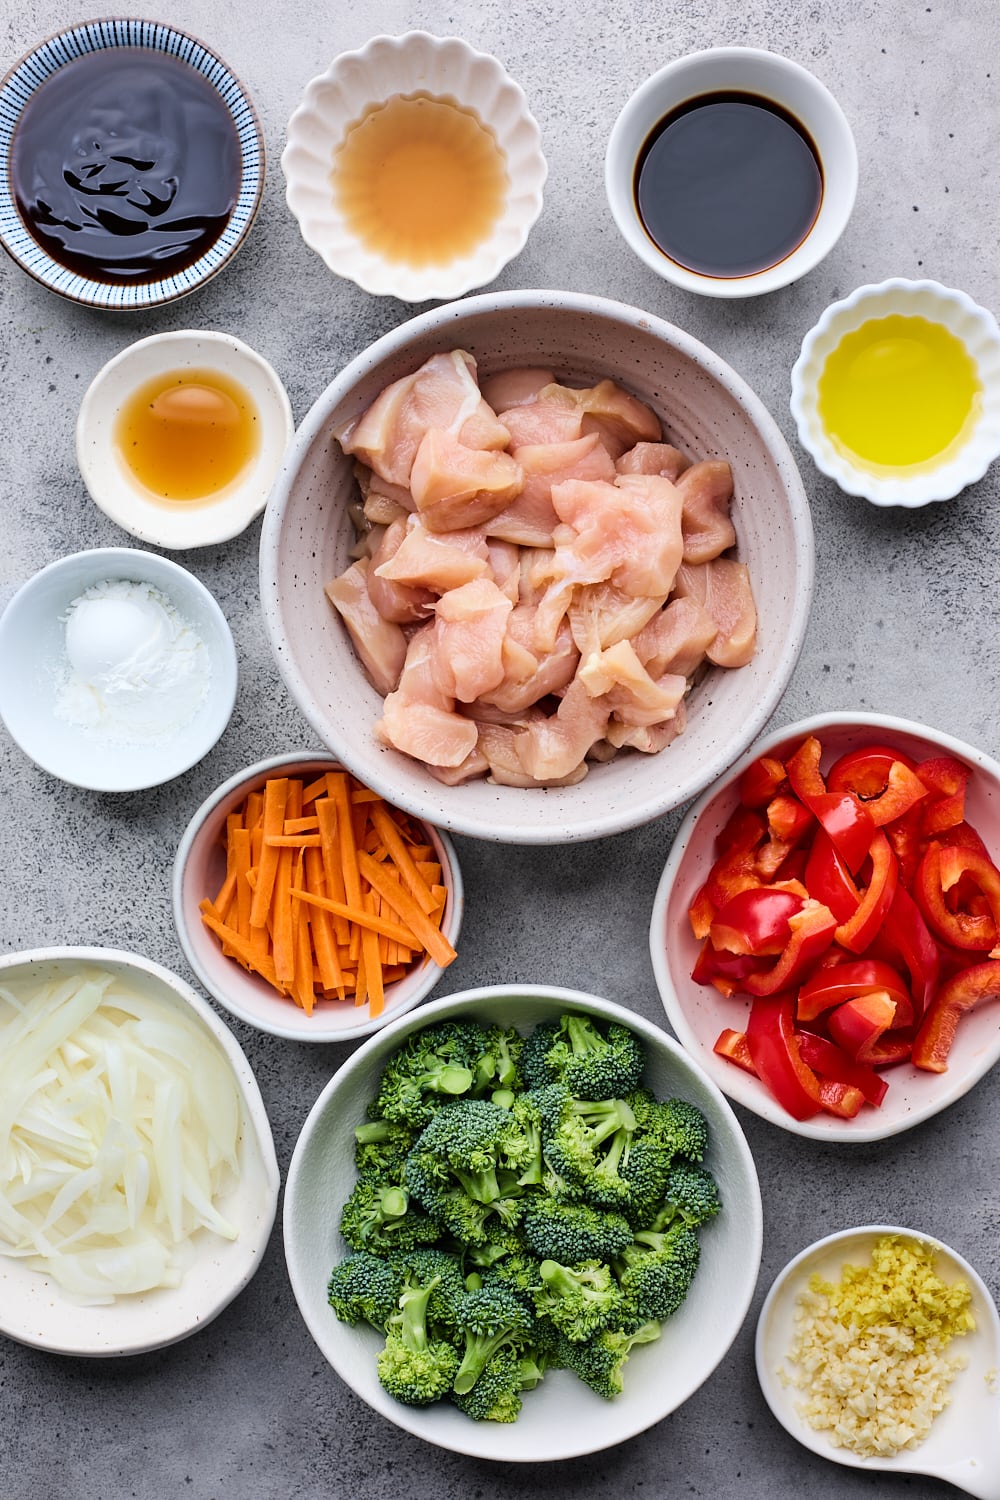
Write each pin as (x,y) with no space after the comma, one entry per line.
(978,445)
(708,412)
(34,669)
(562,1418)
(742,70)
(199,869)
(122,496)
(963,1445)
(56,52)
(34,1309)
(385,68)
(697,1013)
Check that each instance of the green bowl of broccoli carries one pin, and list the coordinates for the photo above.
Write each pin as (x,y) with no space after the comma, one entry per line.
(522,1223)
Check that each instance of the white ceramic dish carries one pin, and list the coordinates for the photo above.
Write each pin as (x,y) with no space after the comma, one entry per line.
(708,411)
(35,1311)
(387,66)
(198,872)
(971,456)
(46,59)
(745,70)
(562,1418)
(963,1445)
(697,1013)
(33,663)
(116,490)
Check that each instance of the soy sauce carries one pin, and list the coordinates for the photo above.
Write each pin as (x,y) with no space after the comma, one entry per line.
(125,165)
(728,184)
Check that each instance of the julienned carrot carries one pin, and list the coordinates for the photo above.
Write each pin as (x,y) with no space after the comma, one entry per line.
(328,893)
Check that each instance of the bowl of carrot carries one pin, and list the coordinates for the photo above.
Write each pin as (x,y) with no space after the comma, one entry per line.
(310,907)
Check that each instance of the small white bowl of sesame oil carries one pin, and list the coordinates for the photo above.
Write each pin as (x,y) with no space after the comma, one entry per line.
(414,167)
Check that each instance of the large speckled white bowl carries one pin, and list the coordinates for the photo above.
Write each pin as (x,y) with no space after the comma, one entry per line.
(708,411)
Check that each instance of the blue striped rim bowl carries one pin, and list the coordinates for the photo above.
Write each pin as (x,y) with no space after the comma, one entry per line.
(35,69)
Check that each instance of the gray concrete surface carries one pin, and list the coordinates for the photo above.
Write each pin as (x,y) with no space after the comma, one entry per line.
(905,620)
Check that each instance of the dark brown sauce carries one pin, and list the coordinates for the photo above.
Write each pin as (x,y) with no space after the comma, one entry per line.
(125,165)
(728,184)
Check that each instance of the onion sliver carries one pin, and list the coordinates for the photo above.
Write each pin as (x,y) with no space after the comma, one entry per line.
(119,1131)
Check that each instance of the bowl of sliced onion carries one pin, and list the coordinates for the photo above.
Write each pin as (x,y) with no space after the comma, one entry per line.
(138,1179)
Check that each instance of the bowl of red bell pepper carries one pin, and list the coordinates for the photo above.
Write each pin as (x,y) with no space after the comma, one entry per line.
(826,932)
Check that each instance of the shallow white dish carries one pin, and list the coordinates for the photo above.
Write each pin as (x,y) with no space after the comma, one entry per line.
(708,411)
(697,1013)
(963,1445)
(746,70)
(562,1418)
(34,1310)
(387,66)
(116,490)
(198,872)
(33,660)
(972,325)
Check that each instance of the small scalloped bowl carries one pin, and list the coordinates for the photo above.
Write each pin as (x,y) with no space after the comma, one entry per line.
(199,868)
(972,325)
(388,66)
(697,1013)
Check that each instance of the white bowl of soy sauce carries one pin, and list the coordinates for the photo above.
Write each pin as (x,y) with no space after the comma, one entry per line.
(731,172)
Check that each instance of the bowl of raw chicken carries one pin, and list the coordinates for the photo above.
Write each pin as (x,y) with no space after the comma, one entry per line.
(538,567)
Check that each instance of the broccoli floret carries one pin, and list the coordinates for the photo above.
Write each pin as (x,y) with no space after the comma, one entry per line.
(678,1127)
(591,1063)
(364,1288)
(432,1067)
(459,1168)
(656,1270)
(380,1148)
(415,1367)
(492,1317)
(573,1232)
(690,1195)
(645,1174)
(498,1066)
(534,1055)
(380,1217)
(590,1145)
(579,1300)
(442,1272)
(496,1395)
(599,1361)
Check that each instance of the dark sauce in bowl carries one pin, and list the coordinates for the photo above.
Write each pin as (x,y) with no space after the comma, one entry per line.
(125,165)
(728,184)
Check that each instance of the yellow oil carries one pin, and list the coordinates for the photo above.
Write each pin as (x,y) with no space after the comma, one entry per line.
(187,434)
(899,393)
(420,180)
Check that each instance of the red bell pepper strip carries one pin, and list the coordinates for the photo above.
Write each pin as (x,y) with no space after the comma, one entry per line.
(857,933)
(744,830)
(828,879)
(905,933)
(941,870)
(755,921)
(906,836)
(857,1024)
(831,1061)
(733,1046)
(734,869)
(789,819)
(812,931)
(893,1047)
(774,1051)
(726,971)
(883,779)
(841,1099)
(848,823)
(828,987)
(962,993)
(962,836)
(701,914)
(761,781)
(945,779)
(803,770)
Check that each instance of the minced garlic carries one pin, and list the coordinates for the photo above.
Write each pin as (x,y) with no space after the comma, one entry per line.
(869,1349)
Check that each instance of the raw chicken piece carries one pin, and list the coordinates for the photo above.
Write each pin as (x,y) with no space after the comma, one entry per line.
(537,572)
(676,639)
(529,675)
(628,532)
(554,747)
(601,615)
(618,418)
(653,458)
(499,743)
(722,587)
(510,388)
(455,487)
(707,489)
(634,697)
(648,739)
(468,639)
(400,602)
(540,422)
(530,518)
(505,565)
(442,393)
(383,501)
(474,766)
(380,644)
(437,562)
(418,718)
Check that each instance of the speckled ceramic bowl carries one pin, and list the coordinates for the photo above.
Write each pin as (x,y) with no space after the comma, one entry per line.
(964,461)
(56,52)
(708,412)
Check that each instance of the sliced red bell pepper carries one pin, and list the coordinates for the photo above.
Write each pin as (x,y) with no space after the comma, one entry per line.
(812,931)
(848,823)
(761,781)
(755,921)
(789,819)
(857,933)
(906,836)
(883,779)
(905,933)
(945,779)
(841,1099)
(828,987)
(941,870)
(745,829)
(962,993)
(857,1024)
(701,914)
(828,879)
(831,1061)
(774,1051)
(725,971)
(893,1047)
(733,1046)
(734,869)
(962,836)
(803,769)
